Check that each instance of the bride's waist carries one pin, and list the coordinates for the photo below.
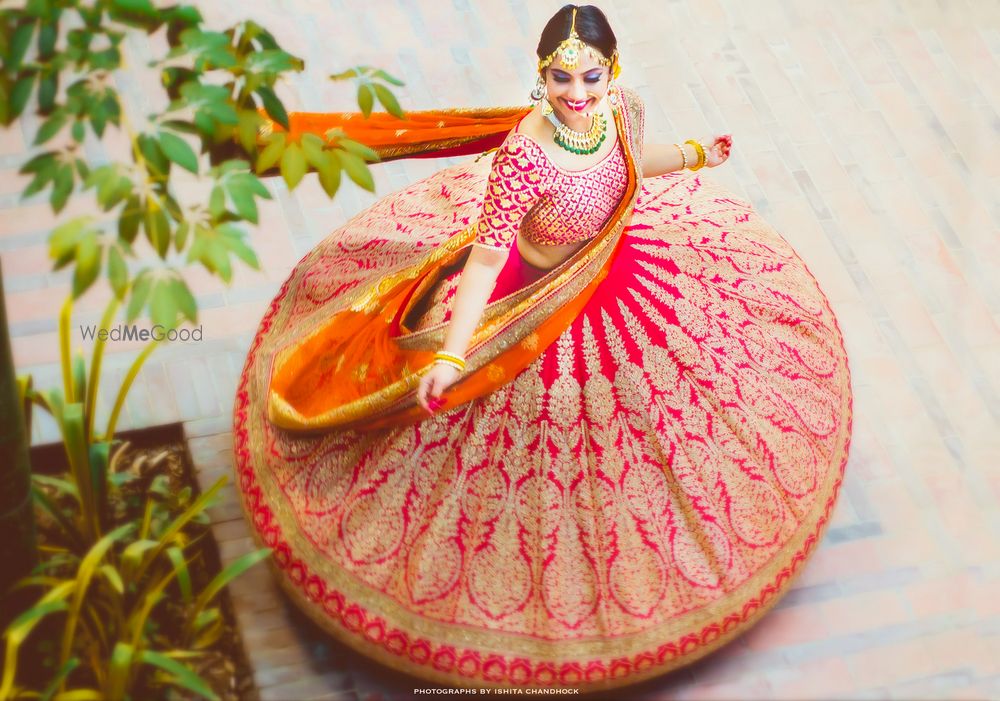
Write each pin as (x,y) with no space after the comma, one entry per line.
(546,256)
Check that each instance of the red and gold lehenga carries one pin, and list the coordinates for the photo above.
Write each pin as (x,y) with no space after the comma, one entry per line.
(645,447)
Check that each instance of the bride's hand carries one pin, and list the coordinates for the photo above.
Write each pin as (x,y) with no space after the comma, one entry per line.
(717,149)
(433,384)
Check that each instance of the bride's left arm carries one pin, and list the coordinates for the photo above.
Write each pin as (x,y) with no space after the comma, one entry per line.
(659,159)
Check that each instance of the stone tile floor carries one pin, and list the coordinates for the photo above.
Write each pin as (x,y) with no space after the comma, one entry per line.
(865,132)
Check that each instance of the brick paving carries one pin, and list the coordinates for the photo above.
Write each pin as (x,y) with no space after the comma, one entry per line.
(866,134)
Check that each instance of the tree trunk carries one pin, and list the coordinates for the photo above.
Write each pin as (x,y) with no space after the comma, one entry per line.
(18,549)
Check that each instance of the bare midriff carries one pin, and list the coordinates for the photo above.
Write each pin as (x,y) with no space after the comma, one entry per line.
(546,256)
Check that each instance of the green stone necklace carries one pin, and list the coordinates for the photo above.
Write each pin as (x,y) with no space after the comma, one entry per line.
(579,142)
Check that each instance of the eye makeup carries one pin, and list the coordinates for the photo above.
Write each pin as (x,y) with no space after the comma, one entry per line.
(593,76)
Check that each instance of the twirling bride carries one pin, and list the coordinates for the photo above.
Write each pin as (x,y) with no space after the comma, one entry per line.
(571,415)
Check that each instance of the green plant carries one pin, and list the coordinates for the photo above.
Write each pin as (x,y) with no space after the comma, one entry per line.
(111,607)
(220,85)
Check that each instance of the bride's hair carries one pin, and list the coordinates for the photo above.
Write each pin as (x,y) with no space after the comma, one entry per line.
(591,25)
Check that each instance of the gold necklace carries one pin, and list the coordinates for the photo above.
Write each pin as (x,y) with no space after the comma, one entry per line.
(579,142)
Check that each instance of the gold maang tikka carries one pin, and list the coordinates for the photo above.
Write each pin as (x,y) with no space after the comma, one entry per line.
(570,49)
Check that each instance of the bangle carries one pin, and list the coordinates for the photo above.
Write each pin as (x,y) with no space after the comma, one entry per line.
(452,363)
(452,359)
(684,156)
(701,154)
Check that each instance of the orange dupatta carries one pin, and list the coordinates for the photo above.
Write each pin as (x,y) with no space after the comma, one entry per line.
(360,367)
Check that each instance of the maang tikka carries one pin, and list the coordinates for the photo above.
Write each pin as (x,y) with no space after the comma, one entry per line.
(569,51)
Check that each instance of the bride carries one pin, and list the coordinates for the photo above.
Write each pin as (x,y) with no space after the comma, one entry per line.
(569,416)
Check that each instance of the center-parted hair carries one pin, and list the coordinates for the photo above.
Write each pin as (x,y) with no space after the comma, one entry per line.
(591,25)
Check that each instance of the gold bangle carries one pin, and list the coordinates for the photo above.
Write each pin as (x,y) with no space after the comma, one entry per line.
(701,154)
(684,156)
(451,356)
(452,359)
(452,363)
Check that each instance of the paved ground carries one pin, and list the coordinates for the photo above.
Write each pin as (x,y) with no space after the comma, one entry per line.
(865,131)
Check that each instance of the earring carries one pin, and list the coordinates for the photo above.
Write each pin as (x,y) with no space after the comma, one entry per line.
(612,88)
(538,92)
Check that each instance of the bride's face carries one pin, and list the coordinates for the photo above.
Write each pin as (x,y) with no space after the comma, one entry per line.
(576,93)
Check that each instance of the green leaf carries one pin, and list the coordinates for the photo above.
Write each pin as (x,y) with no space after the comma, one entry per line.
(176,557)
(313,148)
(173,77)
(365,99)
(163,306)
(349,73)
(109,109)
(249,122)
(357,169)
(52,126)
(141,286)
(180,236)
(47,35)
(388,78)
(250,182)
(40,163)
(183,14)
(130,218)
(329,174)
(222,112)
(63,673)
(271,61)
(120,664)
(275,110)
(107,60)
(217,202)
(358,149)
(185,300)
(244,203)
(293,165)
(182,676)
(235,239)
(272,152)
(64,238)
(41,180)
(231,572)
(157,227)
(388,100)
(47,88)
(18,46)
(19,95)
(157,163)
(117,272)
(181,126)
(178,151)
(218,258)
(210,49)
(135,7)
(88,264)
(62,188)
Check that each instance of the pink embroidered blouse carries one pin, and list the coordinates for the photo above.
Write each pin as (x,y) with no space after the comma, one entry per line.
(550,204)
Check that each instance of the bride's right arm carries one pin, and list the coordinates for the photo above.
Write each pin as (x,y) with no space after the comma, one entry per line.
(478,279)
(513,188)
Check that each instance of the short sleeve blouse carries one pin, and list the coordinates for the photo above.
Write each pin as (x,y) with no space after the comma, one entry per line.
(514,186)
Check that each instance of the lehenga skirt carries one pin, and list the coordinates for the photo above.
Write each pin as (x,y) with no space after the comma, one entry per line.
(638,496)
